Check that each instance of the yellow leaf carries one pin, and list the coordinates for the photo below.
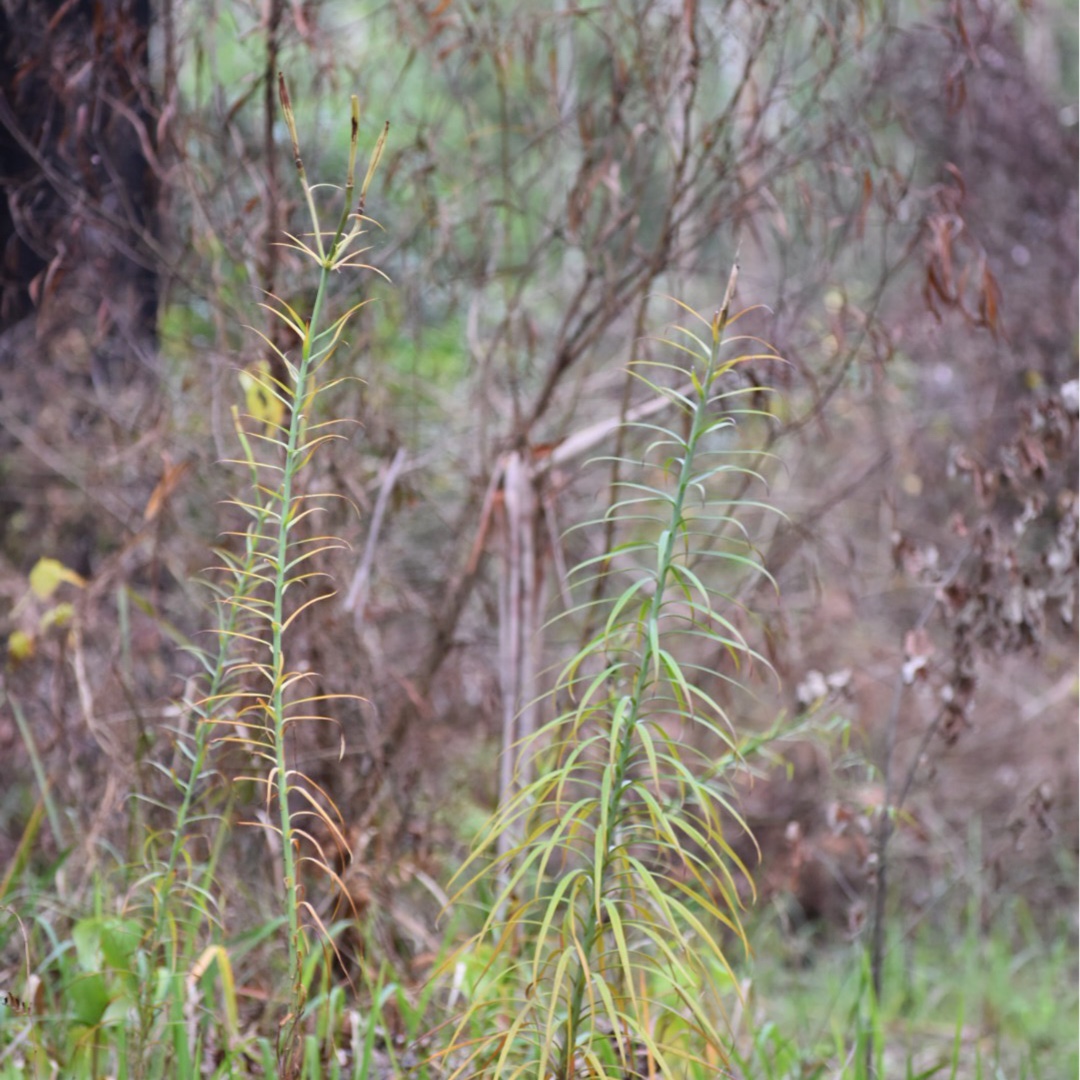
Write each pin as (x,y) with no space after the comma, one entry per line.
(48,575)
(20,646)
(60,615)
(259,397)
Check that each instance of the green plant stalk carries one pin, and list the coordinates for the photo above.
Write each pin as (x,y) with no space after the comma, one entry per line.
(329,259)
(289,468)
(202,731)
(39,771)
(608,926)
(646,661)
(277,702)
(180,952)
(274,506)
(243,575)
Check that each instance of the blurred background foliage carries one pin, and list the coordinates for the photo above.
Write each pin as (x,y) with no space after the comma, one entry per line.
(899,184)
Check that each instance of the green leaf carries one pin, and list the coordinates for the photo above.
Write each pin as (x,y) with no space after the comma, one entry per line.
(87,998)
(86,934)
(119,940)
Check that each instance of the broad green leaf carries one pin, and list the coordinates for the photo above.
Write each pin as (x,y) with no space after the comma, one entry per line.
(87,998)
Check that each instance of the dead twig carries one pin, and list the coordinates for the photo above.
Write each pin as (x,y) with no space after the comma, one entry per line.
(356,598)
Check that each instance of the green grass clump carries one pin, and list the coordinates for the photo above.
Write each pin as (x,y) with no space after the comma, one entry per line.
(960,1001)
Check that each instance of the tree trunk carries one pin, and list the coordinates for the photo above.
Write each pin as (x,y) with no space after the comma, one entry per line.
(78,179)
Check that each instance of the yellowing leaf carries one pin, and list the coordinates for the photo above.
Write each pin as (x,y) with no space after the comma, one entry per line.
(259,397)
(48,575)
(20,646)
(60,615)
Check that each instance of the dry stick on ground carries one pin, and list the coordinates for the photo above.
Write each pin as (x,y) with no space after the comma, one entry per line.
(518,608)
(356,599)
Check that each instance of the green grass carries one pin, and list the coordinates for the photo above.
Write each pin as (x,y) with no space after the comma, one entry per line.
(959,1000)
(968,995)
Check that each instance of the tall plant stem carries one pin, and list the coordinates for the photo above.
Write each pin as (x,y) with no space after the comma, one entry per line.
(277,703)
(330,257)
(646,661)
